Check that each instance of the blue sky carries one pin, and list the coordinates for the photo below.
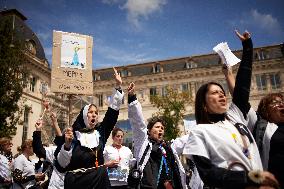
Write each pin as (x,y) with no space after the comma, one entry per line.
(136,31)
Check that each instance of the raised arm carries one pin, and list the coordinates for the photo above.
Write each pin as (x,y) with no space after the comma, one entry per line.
(37,142)
(243,78)
(65,153)
(230,79)
(112,113)
(55,124)
(136,119)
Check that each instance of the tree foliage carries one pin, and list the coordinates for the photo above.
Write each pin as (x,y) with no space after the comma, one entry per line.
(13,78)
(171,109)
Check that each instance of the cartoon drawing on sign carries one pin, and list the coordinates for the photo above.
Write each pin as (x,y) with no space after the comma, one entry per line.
(73,52)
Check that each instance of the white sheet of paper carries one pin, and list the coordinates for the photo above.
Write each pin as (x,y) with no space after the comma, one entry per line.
(226,54)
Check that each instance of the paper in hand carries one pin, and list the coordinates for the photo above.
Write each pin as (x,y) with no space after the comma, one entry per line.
(226,54)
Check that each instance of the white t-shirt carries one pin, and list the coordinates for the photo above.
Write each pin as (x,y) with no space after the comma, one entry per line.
(222,144)
(28,169)
(118,176)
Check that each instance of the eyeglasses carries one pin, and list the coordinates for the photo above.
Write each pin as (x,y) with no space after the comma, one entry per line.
(275,103)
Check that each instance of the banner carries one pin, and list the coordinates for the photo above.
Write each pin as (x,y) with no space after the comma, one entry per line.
(72,63)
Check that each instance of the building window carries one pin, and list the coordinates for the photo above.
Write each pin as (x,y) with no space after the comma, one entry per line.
(261,55)
(101,100)
(96,77)
(32,84)
(157,68)
(264,55)
(31,46)
(26,123)
(190,64)
(261,82)
(164,91)
(153,91)
(124,73)
(275,81)
(184,87)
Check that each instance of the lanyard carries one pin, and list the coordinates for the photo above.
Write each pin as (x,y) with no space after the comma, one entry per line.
(163,162)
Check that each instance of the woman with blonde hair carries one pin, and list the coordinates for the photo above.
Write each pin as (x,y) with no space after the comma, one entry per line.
(24,169)
(6,159)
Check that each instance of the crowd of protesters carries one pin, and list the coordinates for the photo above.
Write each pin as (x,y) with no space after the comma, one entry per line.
(229,147)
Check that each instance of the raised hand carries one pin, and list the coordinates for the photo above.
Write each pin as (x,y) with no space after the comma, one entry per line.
(68,137)
(227,70)
(117,77)
(245,36)
(39,124)
(131,88)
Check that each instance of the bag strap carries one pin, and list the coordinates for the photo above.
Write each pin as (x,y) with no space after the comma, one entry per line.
(143,156)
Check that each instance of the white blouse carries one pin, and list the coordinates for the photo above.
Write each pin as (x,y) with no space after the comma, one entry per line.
(28,169)
(118,176)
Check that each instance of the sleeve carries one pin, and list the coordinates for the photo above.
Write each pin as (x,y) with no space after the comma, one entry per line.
(111,116)
(197,144)
(138,125)
(64,156)
(214,176)
(243,78)
(38,148)
(179,143)
(50,153)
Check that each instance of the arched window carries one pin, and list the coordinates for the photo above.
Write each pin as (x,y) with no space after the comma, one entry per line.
(31,46)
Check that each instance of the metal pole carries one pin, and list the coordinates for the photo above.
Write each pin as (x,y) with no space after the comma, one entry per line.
(70,110)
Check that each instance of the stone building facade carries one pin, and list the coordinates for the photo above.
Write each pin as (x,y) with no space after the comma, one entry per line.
(187,74)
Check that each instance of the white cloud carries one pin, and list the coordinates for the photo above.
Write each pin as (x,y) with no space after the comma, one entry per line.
(138,9)
(254,20)
(266,22)
(119,56)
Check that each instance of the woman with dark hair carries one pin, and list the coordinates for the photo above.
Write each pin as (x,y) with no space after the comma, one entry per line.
(81,156)
(269,134)
(117,159)
(24,175)
(6,159)
(222,145)
(157,161)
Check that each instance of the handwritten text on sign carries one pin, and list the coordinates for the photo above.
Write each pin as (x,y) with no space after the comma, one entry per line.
(72,74)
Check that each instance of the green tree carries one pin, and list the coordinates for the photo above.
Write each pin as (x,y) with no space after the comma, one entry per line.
(13,78)
(171,108)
